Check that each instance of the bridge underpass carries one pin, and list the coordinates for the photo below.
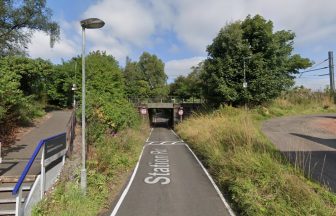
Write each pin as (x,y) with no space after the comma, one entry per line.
(167,114)
(163,114)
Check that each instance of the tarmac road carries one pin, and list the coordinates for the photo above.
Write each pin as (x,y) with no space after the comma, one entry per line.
(169,181)
(305,143)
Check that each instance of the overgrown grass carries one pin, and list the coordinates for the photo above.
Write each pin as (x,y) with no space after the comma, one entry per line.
(110,159)
(247,167)
(297,101)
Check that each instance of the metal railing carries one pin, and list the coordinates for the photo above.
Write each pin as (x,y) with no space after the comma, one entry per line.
(70,131)
(169,99)
(46,159)
(17,191)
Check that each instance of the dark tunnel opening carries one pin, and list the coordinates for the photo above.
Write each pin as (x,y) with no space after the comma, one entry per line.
(161,117)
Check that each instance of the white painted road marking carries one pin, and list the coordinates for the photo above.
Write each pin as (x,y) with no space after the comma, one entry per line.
(123,195)
(210,178)
(213,183)
(161,172)
(165,143)
(149,134)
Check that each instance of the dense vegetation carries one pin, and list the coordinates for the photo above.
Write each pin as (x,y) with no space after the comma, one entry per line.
(23,90)
(256,177)
(146,78)
(109,163)
(253,46)
(115,137)
(189,86)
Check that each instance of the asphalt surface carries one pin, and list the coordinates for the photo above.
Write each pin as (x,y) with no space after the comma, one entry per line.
(169,181)
(306,145)
(16,156)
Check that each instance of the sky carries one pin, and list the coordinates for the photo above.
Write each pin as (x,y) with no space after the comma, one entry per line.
(178,31)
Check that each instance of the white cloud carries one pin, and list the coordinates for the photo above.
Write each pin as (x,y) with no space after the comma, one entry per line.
(126,20)
(40,47)
(196,22)
(135,25)
(179,67)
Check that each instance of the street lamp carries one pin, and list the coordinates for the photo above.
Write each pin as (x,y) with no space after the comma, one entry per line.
(91,23)
(244,81)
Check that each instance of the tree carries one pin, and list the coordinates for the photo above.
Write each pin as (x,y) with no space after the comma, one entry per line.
(152,71)
(21,83)
(189,86)
(106,98)
(269,63)
(137,86)
(19,19)
(180,88)
(146,78)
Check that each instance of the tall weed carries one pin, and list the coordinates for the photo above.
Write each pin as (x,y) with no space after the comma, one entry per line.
(255,177)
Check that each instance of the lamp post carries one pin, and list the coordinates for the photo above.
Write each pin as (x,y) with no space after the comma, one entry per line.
(244,81)
(91,23)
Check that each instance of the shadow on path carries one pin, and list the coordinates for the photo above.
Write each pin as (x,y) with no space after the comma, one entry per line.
(16,148)
(327,142)
(318,165)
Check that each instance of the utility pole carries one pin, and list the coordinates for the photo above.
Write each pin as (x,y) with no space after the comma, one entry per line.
(331,74)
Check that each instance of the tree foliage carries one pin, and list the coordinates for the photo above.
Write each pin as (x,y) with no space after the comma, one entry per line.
(146,78)
(18,20)
(269,63)
(106,95)
(189,86)
(22,85)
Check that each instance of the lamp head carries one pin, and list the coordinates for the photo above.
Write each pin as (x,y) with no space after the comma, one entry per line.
(92,23)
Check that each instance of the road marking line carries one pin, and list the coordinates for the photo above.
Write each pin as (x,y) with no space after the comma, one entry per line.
(123,195)
(174,143)
(159,141)
(149,134)
(213,183)
(162,143)
(166,144)
(176,135)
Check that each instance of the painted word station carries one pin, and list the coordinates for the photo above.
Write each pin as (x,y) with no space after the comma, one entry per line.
(160,167)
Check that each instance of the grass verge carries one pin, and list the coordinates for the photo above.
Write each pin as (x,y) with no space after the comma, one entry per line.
(249,170)
(110,160)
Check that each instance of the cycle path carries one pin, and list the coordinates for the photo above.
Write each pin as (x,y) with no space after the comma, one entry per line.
(169,180)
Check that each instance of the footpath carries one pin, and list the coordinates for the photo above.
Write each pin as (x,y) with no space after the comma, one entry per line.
(170,180)
(16,156)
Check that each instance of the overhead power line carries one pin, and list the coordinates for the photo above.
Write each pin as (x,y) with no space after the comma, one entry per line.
(315,65)
(314,70)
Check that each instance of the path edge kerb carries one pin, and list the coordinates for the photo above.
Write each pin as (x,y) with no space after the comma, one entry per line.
(210,179)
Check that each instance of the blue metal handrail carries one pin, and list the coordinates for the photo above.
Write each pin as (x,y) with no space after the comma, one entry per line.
(31,161)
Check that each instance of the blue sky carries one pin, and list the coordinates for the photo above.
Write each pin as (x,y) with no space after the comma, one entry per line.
(178,31)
